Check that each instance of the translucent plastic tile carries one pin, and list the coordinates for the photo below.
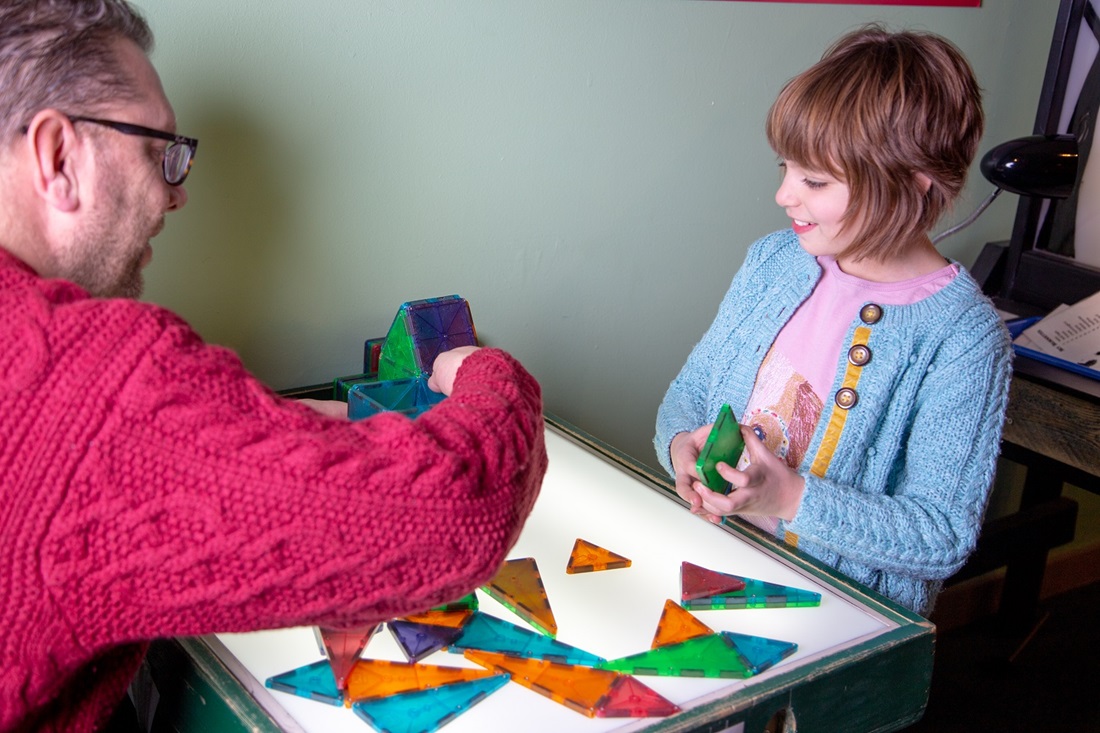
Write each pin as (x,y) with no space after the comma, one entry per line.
(699,582)
(419,640)
(341,385)
(426,710)
(397,359)
(408,396)
(759,652)
(488,633)
(437,325)
(343,647)
(587,557)
(578,688)
(678,625)
(518,586)
(314,682)
(452,619)
(372,354)
(756,594)
(466,602)
(373,678)
(629,698)
(706,656)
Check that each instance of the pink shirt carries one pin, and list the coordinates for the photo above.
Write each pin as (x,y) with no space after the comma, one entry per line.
(797,375)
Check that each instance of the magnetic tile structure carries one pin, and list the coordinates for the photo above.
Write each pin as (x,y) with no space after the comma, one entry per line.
(678,625)
(425,711)
(591,692)
(410,397)
(420,331)
(588,558)
(343,648)
(724,654)
(701,589)
(518,586)
(489,633)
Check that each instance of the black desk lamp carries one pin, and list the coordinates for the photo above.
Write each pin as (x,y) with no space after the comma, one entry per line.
(1039,165)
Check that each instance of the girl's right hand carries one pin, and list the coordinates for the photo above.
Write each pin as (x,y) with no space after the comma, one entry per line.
(684,453)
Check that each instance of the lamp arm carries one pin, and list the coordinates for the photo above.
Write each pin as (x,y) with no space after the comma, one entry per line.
(970,219)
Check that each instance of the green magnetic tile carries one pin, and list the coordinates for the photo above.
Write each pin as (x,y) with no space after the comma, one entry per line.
(755,594)
(341,385)
(705,656)
(313,682)
(398,357)
(467,602)
(760,652)
(489,633)
(426,710)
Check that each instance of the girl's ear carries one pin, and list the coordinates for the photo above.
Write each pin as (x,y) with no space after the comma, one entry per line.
(923,181)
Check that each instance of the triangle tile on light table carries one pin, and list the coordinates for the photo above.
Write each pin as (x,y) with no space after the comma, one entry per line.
(753,594)
(343,648)
(313,682)
(373,678)
(425,711)
(588,557)
(676,625)
(518,586)
(488,633)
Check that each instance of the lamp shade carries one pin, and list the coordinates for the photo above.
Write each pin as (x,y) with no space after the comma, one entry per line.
(1038,165)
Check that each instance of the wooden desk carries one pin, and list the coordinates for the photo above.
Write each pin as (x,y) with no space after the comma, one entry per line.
(863,663)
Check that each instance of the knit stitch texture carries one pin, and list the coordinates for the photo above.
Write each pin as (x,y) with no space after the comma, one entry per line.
(901,504)
(153,488)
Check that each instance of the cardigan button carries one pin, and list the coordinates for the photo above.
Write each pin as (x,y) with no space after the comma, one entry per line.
(870,314)
(846,398)
(859,355)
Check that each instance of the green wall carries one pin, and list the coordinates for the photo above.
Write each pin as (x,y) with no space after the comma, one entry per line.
(586,173)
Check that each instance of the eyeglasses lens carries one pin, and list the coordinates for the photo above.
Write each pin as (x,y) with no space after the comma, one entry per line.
(177,162)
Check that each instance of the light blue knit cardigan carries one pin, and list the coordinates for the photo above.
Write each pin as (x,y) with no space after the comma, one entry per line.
(901,503)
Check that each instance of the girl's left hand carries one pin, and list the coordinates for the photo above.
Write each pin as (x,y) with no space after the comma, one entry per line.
(767,487)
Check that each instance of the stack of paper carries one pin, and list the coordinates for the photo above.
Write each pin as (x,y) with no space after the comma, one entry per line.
(1069,332)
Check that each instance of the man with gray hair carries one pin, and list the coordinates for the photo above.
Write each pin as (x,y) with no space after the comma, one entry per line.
(151,486)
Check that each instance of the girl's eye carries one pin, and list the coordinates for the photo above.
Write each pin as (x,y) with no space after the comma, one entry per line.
(814,185)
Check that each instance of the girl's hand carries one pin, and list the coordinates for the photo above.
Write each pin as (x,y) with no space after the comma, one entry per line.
(767,487)
(684,452)
(446,366)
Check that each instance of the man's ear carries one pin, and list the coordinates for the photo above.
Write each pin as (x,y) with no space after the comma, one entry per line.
(57,155)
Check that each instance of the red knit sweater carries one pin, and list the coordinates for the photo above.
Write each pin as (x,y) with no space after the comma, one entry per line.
(153,488)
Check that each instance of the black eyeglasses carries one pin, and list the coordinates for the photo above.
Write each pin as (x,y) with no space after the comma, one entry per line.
(178,156)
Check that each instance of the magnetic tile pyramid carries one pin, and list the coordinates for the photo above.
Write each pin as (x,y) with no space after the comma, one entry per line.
(427,710)
(343,647)
(678,625)
(725,654)
(708,589)
(587,558)
(420,331)
(489,633)
(591,692)
(518,586)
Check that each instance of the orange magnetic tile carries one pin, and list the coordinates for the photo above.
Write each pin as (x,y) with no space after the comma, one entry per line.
(343,647)
(371,678)
(588,558)
(578,688)
(518,585)
(450,619)
(676,625)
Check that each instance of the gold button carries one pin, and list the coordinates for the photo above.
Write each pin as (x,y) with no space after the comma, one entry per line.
(846,398)
(870,313)
(859,355)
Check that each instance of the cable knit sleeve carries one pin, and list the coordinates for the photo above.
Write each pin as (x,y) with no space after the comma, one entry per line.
(201,502)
